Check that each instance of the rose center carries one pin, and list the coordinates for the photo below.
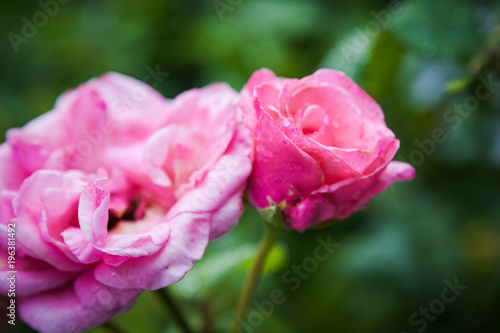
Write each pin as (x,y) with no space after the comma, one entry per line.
(132,213)
(313,119)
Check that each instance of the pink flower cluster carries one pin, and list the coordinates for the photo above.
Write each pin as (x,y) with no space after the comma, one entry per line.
(118,190)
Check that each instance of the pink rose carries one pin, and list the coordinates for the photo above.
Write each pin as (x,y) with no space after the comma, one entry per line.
(114,191)
(323,149)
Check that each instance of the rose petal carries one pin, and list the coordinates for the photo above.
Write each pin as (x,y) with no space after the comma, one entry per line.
(96,296)
(76,243)
(60,311)
(370,109)
(27,207)
(226,217)
(11,172)
(93,214)
(189,235)
(33,276)
(270,177)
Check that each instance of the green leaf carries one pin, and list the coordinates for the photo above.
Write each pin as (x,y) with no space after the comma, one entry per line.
(273,215)
(457,85)
(213,270)
(383,67)
(276,260)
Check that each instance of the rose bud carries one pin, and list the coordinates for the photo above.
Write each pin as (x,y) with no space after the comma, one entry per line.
(322,148)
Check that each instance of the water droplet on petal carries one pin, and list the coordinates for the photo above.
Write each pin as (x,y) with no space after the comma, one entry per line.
(265,150)
(355,194)
(297,166)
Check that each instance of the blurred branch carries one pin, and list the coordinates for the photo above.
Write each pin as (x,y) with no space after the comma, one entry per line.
(109,326)
(208,325)
(270,237)
(488,57)
(174,309)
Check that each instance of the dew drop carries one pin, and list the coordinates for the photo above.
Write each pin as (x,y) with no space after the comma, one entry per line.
(355,194)
(265,150)
(297,166)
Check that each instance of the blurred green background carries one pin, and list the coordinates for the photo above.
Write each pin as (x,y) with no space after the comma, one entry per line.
(422,61)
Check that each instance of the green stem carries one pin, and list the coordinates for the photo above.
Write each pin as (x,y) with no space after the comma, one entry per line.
(112,327)
(206,313)
(174,309)
(267,242)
